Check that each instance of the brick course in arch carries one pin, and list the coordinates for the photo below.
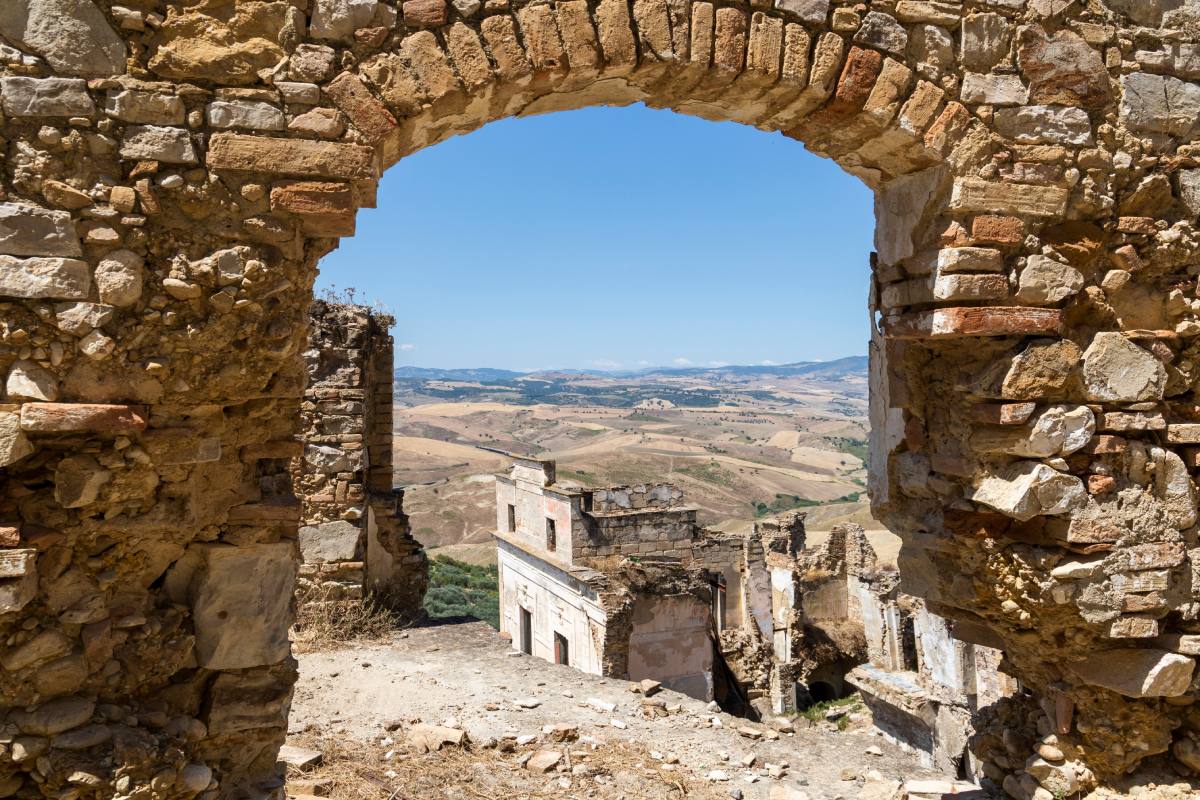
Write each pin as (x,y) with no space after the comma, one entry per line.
(173,171)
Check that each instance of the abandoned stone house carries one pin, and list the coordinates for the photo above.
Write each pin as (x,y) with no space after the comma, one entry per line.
(354,535)
(173,173)
(761,622)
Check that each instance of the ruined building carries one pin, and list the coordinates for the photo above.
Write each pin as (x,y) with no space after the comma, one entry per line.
(621,581)
(353,532)
(173,172)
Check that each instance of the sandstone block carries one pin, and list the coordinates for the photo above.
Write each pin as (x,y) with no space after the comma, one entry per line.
(81,318)
(33,231)
(78,481)
(1058,430)
(144,108)
(72,35)
(995,90)
(27,380)
(1028,489)
(429,738)
(81,418)
(995,229)
(330,541)
(942,14)
(813,12)
(976,195)
(1044,281)
(249,114)
(1143,672)
(1062,69)
(239,623)
(168,447)
(323,122)
(1159,104)
(311,63)
(969,259)
(154,143)
(327,209)
(238,152)
(44,278)
(299,93)
(985,40)
(14,445)
(119,278)
(1045,125)
(45,97)
(1117,370)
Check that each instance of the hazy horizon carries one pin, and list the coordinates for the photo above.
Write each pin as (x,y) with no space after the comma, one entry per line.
(650,368)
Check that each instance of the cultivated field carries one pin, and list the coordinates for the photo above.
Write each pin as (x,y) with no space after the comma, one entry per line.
(741,442)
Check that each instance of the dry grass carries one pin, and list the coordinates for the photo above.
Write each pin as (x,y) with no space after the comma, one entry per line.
(324,624)
(354,770)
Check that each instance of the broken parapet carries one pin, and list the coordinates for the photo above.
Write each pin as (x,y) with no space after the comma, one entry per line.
(354,533)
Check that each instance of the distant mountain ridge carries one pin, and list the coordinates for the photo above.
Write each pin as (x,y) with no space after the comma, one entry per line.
(849,366)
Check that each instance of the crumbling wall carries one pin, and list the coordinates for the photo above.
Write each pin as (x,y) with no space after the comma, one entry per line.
(354,534)
(172,174)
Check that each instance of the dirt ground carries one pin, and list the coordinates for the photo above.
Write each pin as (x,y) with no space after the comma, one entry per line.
(362,698)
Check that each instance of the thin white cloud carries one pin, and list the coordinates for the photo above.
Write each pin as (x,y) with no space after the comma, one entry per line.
(605,363)
(718,363)
(682,362)
(643,363)
(406,346)
(766,362)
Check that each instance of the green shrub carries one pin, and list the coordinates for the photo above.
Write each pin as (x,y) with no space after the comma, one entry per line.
(458,589)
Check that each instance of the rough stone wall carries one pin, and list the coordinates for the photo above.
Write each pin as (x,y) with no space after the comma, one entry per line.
(173,172)
(353,533)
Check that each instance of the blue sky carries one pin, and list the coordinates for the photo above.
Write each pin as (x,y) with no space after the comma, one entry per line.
(614,238)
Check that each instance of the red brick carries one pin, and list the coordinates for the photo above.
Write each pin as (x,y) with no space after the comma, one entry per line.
(997,229)
(854,86)
(951,323)
(356,102)
(1100,484)
(81,418)
(424,13)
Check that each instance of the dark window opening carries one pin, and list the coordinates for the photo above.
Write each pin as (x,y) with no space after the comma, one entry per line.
(551,535)
(822,692)
(526,632)
(587,502)
(512,518)
(562,650)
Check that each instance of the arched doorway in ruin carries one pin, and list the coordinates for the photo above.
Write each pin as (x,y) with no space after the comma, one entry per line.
(171,180)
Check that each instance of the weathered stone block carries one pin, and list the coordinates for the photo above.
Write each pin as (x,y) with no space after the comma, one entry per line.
(976,195)
(1137,672)
(33,231)
(1117,370)
(1062,69)
(78,481)
(45,97)
(1045,125)
(813,12)
(995,90)
(44,278)
(985,40)
(145,108)
(1044,281)
(238,152)
(339,19)
(72,35)
(239,623)
(356,102)
(1028,489)
(154,143)
(330,541)
(245,114)
(969,259)
(884,32)
(1159,104)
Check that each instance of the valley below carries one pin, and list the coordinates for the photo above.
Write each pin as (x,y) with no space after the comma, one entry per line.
(742,442)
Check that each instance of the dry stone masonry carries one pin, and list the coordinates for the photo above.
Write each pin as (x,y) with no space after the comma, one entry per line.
(173,171)
(354,534)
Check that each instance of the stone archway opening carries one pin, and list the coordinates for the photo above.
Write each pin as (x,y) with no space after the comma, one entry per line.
(173,174)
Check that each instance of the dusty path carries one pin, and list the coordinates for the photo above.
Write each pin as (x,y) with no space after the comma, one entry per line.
(468,673)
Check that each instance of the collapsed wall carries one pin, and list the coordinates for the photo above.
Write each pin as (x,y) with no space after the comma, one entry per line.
(354,535)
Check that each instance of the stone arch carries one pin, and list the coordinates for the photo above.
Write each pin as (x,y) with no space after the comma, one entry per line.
(173,172)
